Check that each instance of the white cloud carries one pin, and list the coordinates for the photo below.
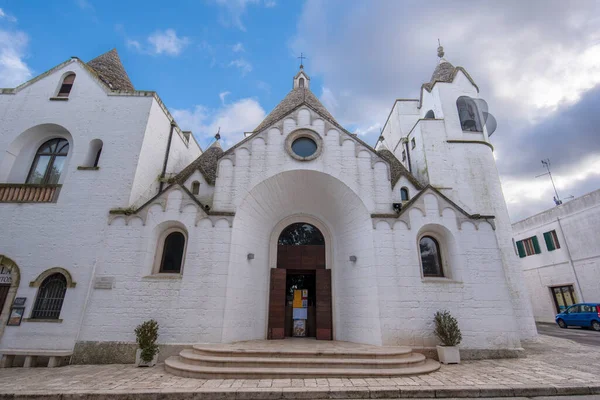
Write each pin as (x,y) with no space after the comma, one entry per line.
(222,96)
(6,16)
(167,42)
(161,42)
(232,119)
(238,48)
(243,65)
(234,10)
(13,69)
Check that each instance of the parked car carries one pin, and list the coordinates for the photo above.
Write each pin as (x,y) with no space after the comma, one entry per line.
(582,314)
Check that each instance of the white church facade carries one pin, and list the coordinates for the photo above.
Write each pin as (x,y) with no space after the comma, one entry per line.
(112,215)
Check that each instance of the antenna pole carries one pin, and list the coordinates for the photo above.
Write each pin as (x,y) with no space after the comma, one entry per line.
(546,163)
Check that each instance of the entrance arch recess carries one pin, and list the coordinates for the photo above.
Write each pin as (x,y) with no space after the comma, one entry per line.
(340,214)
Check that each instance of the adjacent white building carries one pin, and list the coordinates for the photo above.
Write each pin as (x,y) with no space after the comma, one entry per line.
(111,215)
(560,255)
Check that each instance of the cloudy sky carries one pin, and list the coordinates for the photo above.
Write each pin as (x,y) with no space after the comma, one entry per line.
(227,63)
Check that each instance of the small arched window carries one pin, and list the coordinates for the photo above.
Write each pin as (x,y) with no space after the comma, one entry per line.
(404,194)
(430,115)
(66,86)
(195,187)
(50,297)
(172,253)
(301,82)
(431,258)
(48,162)
(468,114)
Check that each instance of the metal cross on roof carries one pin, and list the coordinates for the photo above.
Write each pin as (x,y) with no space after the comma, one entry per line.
(302,57)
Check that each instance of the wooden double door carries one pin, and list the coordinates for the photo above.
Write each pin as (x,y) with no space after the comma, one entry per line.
(300,261)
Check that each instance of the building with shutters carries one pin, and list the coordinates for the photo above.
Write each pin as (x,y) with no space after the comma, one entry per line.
(560,255)
(112,215)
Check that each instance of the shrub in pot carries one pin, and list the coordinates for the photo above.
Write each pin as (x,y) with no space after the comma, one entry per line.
(146,335)
(447,330)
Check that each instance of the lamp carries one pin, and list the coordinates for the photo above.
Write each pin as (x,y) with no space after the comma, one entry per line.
(250,256)
(353,258)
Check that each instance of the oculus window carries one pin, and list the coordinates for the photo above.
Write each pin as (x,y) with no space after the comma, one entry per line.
(304,147)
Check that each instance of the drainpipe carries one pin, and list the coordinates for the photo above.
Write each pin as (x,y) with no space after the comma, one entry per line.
(408,155)
(164,168)
(570,259)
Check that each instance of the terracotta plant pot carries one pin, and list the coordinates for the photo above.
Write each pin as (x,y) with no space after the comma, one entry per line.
(448,354)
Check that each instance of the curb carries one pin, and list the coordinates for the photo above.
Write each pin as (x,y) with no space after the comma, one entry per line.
(313,393)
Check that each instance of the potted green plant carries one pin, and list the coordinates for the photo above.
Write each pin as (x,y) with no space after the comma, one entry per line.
(146,335)
(447,330)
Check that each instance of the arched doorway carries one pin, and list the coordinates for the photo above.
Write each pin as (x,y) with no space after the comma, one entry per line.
(9,282)
(300,287)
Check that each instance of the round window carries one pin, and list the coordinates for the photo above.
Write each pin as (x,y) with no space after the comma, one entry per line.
(304,147)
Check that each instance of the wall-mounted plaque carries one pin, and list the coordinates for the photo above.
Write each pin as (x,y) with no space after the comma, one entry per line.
(19,301)
(16,315)
(104,282)
(5,275)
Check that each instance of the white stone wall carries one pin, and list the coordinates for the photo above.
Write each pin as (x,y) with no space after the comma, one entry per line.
(188,307)
(69,233)
(576,262)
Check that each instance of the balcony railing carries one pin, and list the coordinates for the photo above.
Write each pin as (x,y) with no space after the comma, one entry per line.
(26,193)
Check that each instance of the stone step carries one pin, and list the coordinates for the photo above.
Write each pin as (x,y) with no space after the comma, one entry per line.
(178,366)
(193,357)
(241,349)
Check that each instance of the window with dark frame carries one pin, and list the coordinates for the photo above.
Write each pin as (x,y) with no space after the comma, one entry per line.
(66,86)
(431,258)
(551,240)
(50,297)
(195,187)
(172,254)
(404,194)
(563,296)
(48,162)
(528,247)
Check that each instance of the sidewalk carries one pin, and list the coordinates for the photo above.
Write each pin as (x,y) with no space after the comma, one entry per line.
(553,367)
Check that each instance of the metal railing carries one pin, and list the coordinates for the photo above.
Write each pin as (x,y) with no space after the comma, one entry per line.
(28,193)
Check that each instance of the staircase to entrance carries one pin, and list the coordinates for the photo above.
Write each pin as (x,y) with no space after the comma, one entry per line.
(297,358)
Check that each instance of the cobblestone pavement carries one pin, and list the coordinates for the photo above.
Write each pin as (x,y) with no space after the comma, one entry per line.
(550,363)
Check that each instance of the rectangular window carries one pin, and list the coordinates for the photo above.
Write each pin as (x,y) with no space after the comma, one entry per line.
(551,240)
(528,247)
(564,297)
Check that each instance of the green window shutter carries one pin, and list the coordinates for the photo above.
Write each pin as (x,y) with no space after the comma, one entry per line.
(536,245)
(521,249)
(548,239)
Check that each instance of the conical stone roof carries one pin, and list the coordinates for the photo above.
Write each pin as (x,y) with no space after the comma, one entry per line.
(111,71)
(295,98)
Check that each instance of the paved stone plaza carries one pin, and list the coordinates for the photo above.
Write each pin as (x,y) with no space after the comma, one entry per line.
(552,366)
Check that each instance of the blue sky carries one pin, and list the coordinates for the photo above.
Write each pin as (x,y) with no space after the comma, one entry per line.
(227,63)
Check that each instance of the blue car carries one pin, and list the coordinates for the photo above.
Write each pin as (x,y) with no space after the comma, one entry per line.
(583,314)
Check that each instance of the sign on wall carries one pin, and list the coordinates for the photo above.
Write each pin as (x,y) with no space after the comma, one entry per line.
(104,282)
(5,275)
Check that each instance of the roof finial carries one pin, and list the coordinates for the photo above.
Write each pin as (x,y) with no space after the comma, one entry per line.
(301,60)
(440,50)
(218,135)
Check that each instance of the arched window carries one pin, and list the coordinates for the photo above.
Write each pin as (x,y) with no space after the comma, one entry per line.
(430,115)
(431,259)
(93,156)
(404,194)
(301,234)
(301,82)
(48,162)
(50,297)
(67,85)
(195,187)
(468,114)
(172,253)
